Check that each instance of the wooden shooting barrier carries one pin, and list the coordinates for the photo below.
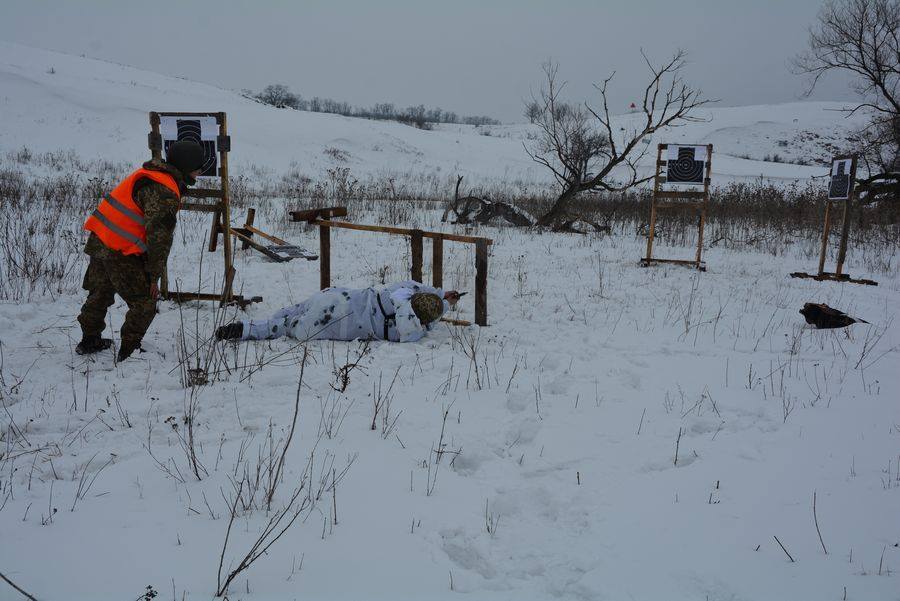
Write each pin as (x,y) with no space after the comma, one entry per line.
(694,200)
(323,218)
(838,274)
(219,206)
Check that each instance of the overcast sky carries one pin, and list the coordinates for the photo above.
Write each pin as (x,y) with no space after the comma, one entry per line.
(470,56)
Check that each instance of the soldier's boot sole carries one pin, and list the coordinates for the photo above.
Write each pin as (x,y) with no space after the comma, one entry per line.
(90,349)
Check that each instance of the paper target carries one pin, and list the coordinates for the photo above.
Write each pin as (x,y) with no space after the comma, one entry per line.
(841,183)
(686,164)
(202,130)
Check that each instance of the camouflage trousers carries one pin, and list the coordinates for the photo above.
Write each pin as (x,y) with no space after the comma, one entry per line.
(111,274)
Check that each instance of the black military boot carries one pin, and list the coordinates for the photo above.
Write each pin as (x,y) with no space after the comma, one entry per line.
(126,350)
(92,344)
(232,331)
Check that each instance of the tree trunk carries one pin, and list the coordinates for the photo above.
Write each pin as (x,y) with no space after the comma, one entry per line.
(559,208)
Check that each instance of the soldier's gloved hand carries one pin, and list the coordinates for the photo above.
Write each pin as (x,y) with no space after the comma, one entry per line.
(154,291)
(452,297)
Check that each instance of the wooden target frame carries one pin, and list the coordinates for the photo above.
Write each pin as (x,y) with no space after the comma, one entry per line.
(220,207)
(838,274)
(678,199)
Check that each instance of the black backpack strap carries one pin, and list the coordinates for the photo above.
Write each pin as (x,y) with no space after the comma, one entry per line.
(388,319)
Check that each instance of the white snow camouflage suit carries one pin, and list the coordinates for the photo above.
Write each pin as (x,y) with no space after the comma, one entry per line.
(348,314)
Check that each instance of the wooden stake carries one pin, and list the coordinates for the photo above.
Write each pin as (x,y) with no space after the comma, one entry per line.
(415,244)
(481,272)
(845,234)
(251,217)
(656,182)
(437,263)
(826,229)
(324,257)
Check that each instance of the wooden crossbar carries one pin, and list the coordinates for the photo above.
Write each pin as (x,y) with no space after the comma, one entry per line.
(402,231)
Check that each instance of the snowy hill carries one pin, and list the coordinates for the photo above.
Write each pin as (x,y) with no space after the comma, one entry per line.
(53,101)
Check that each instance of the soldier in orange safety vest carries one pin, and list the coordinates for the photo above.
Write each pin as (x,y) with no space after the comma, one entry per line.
(130,236)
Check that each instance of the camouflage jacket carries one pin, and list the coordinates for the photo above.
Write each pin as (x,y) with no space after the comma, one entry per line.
(160,209)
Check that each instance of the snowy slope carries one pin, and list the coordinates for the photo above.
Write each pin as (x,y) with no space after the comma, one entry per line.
(99,109)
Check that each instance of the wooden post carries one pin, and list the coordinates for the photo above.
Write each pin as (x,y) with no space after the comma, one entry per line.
(214,230)
(845,234)
(481,273)
(656,183)
(702,222)
(415,243)
(251,217)
(826,229)
(324,257)
(437,262)
(225,205)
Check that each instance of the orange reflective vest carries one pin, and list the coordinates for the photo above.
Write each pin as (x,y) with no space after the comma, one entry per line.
(118,221)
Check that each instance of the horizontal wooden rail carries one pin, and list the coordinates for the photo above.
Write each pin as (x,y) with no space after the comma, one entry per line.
(680,194)
(203,193)
(402,231)
(316,214)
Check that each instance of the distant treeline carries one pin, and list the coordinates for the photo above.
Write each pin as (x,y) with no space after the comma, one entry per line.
(281,96)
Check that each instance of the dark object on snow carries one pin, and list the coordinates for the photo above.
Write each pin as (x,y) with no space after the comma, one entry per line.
(92,344)
(823,316)
(232,331)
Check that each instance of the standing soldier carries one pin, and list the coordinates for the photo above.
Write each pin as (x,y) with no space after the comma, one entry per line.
(131,234)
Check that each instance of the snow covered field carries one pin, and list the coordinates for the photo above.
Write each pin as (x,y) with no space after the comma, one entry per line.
(616,433)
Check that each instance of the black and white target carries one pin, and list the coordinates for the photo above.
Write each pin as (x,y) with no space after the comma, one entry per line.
(841,183)
(686,164)
(202,130)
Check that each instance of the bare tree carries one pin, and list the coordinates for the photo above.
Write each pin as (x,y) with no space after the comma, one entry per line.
(862,37)
(278,95)
(579,146)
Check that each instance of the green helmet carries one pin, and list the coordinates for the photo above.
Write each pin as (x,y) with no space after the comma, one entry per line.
(427,307)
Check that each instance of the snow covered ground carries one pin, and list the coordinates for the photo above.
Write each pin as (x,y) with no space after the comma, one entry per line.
(616,433)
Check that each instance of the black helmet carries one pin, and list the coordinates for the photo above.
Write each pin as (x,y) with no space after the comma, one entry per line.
(186,156)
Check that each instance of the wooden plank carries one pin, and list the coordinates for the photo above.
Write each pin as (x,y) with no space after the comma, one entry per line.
(203,193)
(702,218)
(404,231)
(181,114)
(481,279)
(456,322)
(437,263)
(415,243)
(833,277)
(268,237)
(692,263)
(199,207)
(679,205)
(324,256)
(314,214)
(250,243)
(680,194)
